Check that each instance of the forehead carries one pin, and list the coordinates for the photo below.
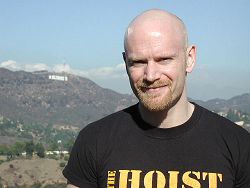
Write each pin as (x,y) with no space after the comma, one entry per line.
(155,42)
(155,33)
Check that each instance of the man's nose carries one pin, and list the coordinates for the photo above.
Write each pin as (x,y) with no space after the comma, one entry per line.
(151,72)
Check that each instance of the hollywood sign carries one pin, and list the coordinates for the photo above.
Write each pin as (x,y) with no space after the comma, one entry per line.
(57,77)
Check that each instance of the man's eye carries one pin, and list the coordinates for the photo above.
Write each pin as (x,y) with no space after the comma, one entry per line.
(137,63)
(165,60)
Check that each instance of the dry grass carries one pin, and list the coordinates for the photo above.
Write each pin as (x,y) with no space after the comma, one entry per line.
(30,171)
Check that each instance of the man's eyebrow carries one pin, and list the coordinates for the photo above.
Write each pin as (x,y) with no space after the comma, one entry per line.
(137,59)
(167,54)
(157,56)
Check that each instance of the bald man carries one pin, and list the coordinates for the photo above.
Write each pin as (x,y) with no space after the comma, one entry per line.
(164,141)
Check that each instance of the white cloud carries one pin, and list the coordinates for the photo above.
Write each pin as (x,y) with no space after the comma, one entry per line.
(35,67)
(9,64)
(113,77)
(117,71)
(204,82)
(62,68)
(14,66)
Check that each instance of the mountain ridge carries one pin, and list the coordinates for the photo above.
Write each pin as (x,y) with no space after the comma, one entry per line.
(32,97)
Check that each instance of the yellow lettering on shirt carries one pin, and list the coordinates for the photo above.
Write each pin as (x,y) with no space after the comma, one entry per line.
(158,179)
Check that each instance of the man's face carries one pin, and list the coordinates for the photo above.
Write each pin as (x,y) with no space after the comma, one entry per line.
(156,66)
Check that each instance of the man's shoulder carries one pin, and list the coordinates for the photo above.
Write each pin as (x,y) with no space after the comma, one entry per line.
(221,124)
(112,121)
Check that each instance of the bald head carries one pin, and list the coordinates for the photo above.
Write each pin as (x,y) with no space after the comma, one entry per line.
(157,22)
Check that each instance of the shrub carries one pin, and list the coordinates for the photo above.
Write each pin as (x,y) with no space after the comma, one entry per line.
(1,185)
(57,185)
(53,156)
(66,158)
(62,164)
(36,185)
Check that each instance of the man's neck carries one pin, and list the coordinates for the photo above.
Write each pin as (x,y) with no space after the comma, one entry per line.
(176,115)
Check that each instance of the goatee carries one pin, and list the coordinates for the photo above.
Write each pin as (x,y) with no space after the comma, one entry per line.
(154,102)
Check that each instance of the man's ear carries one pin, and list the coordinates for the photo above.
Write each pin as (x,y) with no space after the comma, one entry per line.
(125,61)
(124,56)
(191,58)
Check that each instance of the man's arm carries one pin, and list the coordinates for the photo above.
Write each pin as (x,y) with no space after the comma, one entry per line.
(80,170)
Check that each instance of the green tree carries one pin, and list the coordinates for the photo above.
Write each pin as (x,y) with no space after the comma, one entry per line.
(40,150)
(18,148)
(69,144)
(3,149)
(232,115)
(10,153)
(53,146)
(29,148)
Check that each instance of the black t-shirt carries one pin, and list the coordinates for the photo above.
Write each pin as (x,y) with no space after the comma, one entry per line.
(123,151)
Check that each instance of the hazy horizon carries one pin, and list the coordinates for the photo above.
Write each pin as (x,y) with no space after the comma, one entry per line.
(86,38)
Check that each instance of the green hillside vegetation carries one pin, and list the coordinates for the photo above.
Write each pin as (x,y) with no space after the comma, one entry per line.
(237,115)
(24,162)
(33,138)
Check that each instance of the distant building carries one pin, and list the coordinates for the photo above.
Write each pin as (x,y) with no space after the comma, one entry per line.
(66,127)
(223,114)
(24,154)
(240,123)
(56,152)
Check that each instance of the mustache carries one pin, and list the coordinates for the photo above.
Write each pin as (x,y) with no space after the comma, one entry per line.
(157,83)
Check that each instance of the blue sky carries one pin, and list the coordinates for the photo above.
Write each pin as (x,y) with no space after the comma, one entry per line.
(87,36)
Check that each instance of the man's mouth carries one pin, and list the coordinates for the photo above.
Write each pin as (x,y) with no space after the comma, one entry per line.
(153,88)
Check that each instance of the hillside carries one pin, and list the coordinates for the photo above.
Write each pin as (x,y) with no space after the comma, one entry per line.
(240,103)
(31,171)
(34,98)
(51,112)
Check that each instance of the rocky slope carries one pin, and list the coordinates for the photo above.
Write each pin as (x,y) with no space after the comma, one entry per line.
(34,98)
